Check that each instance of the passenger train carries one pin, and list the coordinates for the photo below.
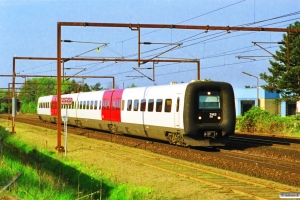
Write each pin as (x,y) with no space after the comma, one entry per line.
(199,113)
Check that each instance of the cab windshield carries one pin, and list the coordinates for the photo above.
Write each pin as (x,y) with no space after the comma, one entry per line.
(209,100)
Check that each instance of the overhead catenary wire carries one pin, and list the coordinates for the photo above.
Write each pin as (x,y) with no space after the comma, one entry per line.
(211,39)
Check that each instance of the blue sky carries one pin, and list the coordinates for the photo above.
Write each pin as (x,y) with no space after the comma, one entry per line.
(29,28)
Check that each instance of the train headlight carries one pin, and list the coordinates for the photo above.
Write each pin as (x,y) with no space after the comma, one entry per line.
(199,117)
(219,117)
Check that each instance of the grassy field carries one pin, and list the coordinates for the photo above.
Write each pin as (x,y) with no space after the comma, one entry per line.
(45,176)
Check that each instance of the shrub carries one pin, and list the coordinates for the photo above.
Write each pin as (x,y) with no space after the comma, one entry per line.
(258,120)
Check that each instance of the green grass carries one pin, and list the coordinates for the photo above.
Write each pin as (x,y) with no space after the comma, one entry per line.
(33,183)
(46,177)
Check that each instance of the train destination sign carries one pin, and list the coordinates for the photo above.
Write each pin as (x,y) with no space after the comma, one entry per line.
(66,101)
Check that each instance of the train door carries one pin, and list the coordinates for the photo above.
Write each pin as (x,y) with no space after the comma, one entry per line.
(116,105)
(106,105)
(177,113)
(54,106)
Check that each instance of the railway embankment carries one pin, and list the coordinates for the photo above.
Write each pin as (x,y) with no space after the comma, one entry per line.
(127,175)
(46,174)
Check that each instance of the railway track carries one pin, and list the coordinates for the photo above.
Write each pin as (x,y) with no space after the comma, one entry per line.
(258,160)
(234,185)
(243,187)
(276,169)
(274,142)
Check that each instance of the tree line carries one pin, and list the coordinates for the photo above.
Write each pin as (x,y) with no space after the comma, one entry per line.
(34,88)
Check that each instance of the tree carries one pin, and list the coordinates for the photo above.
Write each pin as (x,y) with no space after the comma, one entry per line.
(3,101)
(72,87)
(37,87)
(132,86)
(285,70)
(85,88)
(96,87)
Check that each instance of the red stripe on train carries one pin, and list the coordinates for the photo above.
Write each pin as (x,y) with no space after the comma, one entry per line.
(111,105)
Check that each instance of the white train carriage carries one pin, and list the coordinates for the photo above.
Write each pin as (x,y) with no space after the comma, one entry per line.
(88,109)
(44,108)
(200,113)
(152,111)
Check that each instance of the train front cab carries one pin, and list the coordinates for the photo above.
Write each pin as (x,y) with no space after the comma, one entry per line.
(209,113)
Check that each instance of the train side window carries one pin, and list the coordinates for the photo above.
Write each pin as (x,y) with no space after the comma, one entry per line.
(118,104)
(86,104)
(113,104)
(80,105)
(99,104)
(107,104)
(95,105)
(143,105)
(91,105)
(168,105)
(159,103)
(129,105)
(123,103)
(177,104)
(136,105)
(103,105)
(150,105)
